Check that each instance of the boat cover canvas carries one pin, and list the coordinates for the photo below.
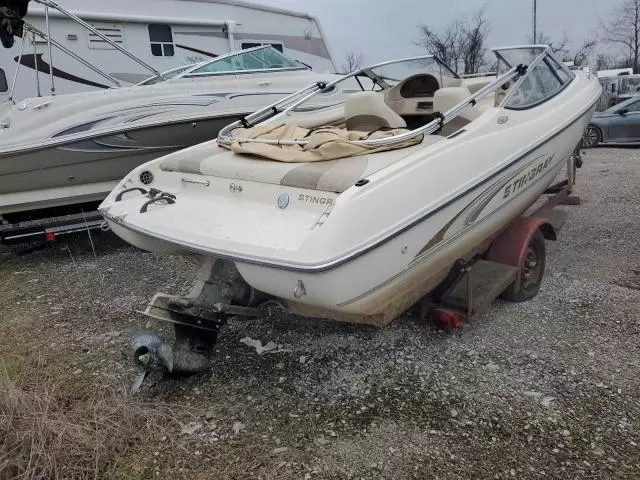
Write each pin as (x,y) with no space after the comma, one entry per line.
(325,143)
(329,176)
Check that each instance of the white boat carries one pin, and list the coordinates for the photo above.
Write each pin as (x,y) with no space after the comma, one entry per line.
(345,213)
(69,149)
(163,34)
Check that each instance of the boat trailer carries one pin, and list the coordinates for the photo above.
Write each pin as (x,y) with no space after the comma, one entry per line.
(512,267)
(49,231)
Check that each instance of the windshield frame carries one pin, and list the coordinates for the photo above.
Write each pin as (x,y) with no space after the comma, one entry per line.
(411,59)
(162,77)
(545,52)
(369,72)
(496,51)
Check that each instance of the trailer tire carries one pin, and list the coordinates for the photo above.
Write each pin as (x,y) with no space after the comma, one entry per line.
(527,284)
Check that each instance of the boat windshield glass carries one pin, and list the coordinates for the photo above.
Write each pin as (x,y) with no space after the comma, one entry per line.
(387,75)
(510,57)
(261,58)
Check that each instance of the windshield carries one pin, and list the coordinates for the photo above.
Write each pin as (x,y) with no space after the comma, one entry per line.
(626,104)
(261,58)
(510,57)
(387,75)
(546,76)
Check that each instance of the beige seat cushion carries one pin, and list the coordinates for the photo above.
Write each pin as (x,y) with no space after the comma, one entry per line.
(447,98)
(330,175)
(367,111)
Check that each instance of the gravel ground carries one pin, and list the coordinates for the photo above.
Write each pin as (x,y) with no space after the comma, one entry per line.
(544,389)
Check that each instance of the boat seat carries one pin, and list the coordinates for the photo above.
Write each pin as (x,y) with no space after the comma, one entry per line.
(367,111)
(329,176)
(445,99)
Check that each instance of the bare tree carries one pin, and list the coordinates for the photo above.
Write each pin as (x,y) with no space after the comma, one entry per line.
(474,36)
(562,48)
(445,45)
(352,62)
(609,61)
(624,30)
(604,61)
(558,47)
(461,45)
(583,54)
(624,62)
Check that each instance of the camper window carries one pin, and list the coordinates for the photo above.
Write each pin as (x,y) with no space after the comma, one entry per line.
(3,81)
(161,40)
(277,46)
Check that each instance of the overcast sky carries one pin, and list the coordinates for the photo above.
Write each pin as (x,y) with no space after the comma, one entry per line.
(383,30)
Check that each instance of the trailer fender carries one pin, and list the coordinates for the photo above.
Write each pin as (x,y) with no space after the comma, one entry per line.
(511,246)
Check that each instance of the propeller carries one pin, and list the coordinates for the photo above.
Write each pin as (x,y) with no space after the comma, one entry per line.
(150,352)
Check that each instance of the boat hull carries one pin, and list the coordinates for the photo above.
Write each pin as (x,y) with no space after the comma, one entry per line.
(347,291)
(66,149)
(377,285)
(88,169)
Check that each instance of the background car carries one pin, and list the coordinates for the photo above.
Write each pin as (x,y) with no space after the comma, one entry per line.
(618,124)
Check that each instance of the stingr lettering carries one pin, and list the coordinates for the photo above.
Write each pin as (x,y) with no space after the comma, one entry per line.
(526,178)
(314,199)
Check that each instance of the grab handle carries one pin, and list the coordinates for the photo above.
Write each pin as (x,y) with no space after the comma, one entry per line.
(145,206)
(134,189)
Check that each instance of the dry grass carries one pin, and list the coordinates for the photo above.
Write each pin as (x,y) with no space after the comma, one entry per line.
(54,428)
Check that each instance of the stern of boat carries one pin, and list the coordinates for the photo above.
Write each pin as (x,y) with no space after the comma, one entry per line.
(188,206)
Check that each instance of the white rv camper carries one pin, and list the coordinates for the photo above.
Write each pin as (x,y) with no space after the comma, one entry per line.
(165,34)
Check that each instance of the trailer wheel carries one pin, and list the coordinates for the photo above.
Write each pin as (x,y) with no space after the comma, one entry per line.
(527,285)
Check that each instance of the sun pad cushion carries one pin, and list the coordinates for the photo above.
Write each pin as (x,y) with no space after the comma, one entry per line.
(330,175)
